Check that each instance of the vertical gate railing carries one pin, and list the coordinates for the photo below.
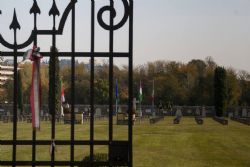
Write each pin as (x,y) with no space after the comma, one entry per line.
(116,158)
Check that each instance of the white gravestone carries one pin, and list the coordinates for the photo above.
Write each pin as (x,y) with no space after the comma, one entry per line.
(244,112)
(76,110)
(98,112)
(178,112)
(197,111)
(148,110)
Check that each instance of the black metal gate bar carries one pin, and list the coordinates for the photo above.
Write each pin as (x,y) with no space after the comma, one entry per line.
(111,45)
(113,145)
(92,81)
(15,26)
(130,131)
(33,131)
(72,136)
(53,12)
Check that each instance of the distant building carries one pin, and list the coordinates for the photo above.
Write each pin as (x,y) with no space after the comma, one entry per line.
(9,62)
(6,73)
(98,66)
(6,70)
(67,63)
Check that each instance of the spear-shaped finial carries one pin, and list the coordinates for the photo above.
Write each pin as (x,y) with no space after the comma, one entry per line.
(14,24)
(35,8)
(54,10)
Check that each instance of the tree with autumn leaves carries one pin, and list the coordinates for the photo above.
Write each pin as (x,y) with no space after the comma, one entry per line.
(189,83)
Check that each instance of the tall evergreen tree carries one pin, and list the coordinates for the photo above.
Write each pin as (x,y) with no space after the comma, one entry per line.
(54,83)
(220,91)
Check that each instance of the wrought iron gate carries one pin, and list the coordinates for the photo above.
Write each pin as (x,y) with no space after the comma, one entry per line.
(120,152)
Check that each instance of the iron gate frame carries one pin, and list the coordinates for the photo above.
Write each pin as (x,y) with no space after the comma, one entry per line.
(128,17)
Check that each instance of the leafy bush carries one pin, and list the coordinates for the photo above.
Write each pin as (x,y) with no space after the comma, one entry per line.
(97,158)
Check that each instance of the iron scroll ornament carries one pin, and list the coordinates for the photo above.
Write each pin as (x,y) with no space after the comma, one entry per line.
(35,10)
(113,14)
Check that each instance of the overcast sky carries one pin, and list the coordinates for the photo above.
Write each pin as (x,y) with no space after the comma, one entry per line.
(178,30)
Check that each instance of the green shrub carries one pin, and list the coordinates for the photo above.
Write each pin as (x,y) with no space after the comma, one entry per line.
(97,158)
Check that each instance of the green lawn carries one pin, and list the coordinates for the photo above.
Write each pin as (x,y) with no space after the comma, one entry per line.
(162,144)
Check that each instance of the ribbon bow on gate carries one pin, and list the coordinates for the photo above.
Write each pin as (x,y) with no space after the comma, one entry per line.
(35,92)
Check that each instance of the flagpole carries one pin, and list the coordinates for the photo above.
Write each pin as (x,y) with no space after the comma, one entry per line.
(116,99)
(140,100)
(140,111)
(153,98)
(116,108)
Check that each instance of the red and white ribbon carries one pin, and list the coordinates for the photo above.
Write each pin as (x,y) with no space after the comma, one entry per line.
(62,99)
(35,91)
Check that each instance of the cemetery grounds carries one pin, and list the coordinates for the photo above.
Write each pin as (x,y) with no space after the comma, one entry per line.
(161,144)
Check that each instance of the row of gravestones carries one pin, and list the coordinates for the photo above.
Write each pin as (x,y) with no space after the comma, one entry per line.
(243,117)
(103,110)
(199,114)
(206,111)
(100,112)
(244,112)
(185,111)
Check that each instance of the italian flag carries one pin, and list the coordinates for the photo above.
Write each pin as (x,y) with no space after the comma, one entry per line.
(62,98)
(153,92)
(62,93)
(140,93)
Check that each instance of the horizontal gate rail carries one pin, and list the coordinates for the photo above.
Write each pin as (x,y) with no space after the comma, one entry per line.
(61,163)
(77,54)
(62,142)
